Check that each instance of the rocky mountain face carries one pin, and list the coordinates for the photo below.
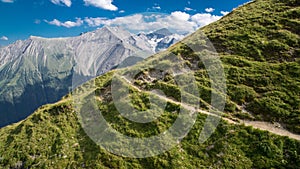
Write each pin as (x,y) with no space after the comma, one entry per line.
(41,70)
(161,39)
(258,44)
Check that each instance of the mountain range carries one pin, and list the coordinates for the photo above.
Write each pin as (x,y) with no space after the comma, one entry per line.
(161,39)
(258,46)
(40,70)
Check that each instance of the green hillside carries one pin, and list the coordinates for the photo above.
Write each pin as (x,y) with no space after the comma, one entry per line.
(259,47)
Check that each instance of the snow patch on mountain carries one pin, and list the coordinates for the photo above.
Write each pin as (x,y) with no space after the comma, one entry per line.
(161,39)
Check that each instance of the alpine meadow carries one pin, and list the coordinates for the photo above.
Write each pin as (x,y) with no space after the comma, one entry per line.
(259,48)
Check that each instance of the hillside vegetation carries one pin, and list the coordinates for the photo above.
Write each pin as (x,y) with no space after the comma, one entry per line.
(259,47)
(261,55)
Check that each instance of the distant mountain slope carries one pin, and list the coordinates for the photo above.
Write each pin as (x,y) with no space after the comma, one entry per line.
(40,70)
(161,39)
(259,88)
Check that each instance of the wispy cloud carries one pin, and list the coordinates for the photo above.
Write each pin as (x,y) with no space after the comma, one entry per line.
(67,3)
(188,9)
(67,24)
(94,22)
(154,8)
(103,4)
(37,21)
(4,38)
(8,1)
(209,10)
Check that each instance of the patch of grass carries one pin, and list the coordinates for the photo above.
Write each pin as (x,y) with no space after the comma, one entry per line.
(259,49)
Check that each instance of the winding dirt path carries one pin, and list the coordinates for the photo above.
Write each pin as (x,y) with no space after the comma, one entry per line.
(272,128)
(266,126)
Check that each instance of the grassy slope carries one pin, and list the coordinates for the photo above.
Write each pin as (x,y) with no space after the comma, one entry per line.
(261,54)
(259,46)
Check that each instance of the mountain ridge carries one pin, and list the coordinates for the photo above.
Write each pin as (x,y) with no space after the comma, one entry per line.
(43,68)
(258,89)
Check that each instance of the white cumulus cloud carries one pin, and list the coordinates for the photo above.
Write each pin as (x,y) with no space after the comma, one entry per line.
(180,15)
(67,3)
(4,38)
(144,23)
(204,19)
(177,21)
(209,10)
(67,24)
(104,4)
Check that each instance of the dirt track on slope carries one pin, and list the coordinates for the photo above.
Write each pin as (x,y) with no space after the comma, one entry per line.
(266,126)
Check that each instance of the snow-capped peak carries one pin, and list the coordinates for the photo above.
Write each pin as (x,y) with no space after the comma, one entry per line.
(161,39)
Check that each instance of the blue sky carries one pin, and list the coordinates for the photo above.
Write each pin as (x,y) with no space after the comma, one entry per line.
(59,18)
